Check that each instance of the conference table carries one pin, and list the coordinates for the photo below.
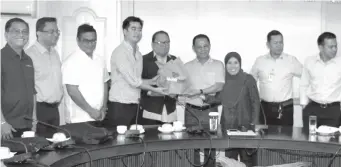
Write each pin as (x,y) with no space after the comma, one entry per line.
(277,145)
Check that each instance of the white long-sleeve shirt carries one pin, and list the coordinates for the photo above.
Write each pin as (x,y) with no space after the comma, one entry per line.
(275,76)
(126,74)
(321,81)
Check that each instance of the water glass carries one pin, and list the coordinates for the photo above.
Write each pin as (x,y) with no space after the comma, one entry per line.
(312,124)
(213,122)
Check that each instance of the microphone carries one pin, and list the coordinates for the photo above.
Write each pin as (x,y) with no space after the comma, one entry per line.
(136,132)
(58,144)
(21,158)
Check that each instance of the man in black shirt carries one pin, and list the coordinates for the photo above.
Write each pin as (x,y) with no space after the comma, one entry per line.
(17,81)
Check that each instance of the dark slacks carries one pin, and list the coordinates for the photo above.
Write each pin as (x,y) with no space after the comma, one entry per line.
(120,114)
(47,113)
(326,115)
(204,119)
(245,156)
(271,111)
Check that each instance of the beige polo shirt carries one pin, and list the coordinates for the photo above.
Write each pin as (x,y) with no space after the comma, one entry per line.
(204,75)
(47,73)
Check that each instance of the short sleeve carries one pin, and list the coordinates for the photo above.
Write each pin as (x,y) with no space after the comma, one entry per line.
(71,72)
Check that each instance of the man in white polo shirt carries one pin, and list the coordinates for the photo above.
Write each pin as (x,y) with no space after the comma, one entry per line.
(320,87)
(85,78)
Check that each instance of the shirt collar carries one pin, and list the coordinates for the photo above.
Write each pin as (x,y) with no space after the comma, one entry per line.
(129,47)
(318,59)
(280,57)
(84,55)
(14,54)
(210,60)
(41,48)
(154,55)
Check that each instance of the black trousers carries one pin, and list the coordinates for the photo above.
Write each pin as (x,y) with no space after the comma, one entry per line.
(204,119)
(271,111)
(47,113)
(120,114)
(246,156)
(326,115)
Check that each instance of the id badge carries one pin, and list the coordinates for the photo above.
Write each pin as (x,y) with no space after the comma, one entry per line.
(270,77)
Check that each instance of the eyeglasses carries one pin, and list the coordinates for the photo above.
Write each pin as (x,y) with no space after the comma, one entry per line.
(50,32)
(17,32)
(166,43)
(90,42)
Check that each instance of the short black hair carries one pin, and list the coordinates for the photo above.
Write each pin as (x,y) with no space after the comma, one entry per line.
(273,33)
(201,36)
(129,19)
(323,36)
(85,28)
(41,22)
(159,32)
(11,21)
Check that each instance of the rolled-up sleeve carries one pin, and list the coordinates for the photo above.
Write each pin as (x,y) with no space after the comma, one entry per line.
(120,62)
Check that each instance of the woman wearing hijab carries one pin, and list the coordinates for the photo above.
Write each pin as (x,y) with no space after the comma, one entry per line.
(241,103)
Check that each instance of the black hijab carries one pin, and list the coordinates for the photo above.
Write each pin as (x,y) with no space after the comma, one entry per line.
(233,83)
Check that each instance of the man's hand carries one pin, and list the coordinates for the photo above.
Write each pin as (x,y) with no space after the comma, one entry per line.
(103,111)
(6,131)
(153,81)
(160,90)
(34,126)
(95,114)
(172,95)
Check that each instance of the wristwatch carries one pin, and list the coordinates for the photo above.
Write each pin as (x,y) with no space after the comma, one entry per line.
(3,122)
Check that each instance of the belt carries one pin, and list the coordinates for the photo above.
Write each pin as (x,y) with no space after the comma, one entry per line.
(52,105)
(325,105)
(202,108)
(282,104)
